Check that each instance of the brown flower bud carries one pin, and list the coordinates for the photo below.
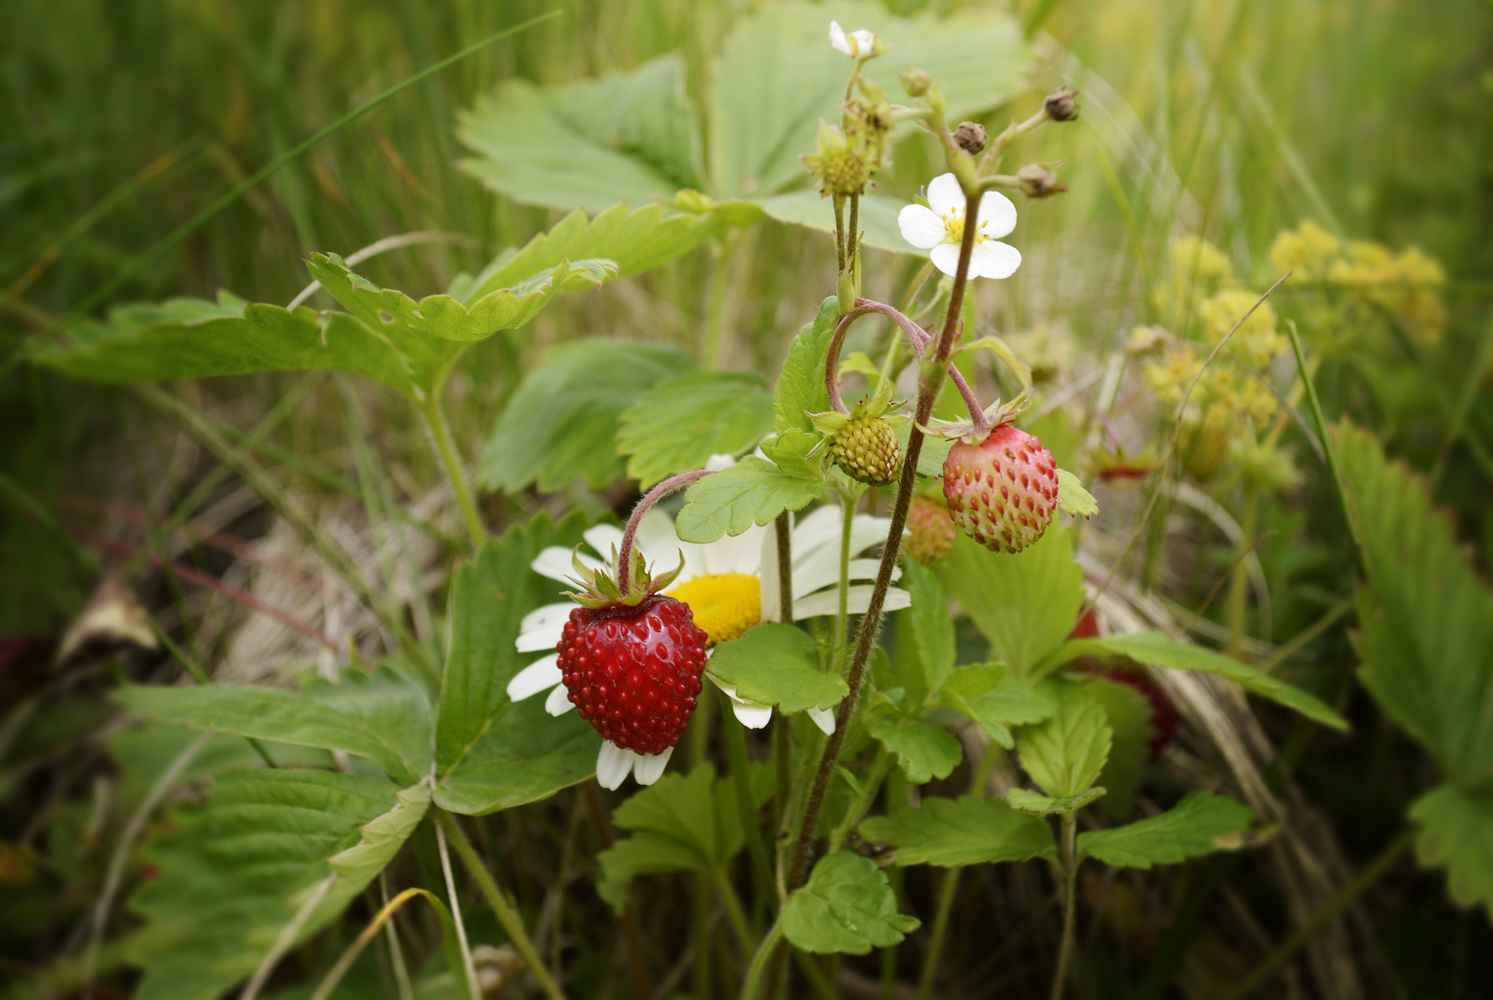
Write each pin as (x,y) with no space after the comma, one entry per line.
(971,137)
(1062,105)
(915,82)
(1039,182)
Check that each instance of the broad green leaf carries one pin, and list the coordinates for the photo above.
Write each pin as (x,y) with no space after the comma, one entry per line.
(1456,832)
(385,717)
(1065,753)
(753,491)
(1073,498)
(1426,618)
(1033,804)
(680,423)
(924,751)
(877,217)
(932,627)
(789,451)
(1025,604)
(846,906)
(800,389)
(622,137)
(1190,828)
(1129,714)
(963,831)
(1155,649)
(561,423)
(234,872)
(777,664)
(492,753)
(989,697)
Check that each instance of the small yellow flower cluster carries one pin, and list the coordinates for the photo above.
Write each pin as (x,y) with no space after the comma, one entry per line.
(1257,340)
(1198,270)
(846,158)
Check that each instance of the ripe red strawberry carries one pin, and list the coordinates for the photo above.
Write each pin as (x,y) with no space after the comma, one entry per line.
(931,531)
(1003,491)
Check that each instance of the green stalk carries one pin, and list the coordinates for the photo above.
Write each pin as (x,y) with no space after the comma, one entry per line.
(1067,856)
(440,434)
(735,914)
(736,752)
(1337,473)
(753,982)
(720,279)
(1239,585)
(869,788)
(842,616)
(509,919)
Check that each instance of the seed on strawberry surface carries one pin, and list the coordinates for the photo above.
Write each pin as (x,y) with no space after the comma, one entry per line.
(1003,491)
(866,449)
(930,531)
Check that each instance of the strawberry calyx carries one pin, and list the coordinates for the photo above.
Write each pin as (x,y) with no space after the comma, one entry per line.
(599,588)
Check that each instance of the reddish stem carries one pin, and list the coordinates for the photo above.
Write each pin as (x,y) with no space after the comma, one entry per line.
(624,555)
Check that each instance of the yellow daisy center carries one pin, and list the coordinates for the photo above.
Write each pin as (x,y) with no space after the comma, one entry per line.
(724,604)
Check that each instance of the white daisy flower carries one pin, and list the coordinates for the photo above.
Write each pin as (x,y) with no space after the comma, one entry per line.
(730,585)
(939,228)
(860,44)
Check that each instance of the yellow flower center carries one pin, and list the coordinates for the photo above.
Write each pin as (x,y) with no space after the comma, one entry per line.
(953,227)
(724,604)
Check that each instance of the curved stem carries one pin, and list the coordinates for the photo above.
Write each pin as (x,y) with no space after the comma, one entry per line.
(435,419)
(753,982)
(946,893)
(1068,860)
(624,568)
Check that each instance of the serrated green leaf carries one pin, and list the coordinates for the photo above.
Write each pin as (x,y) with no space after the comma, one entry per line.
(1065,753)
(1456,832)
(678,424)
(233,872)
(777,664)
(789,451)
(995,701)
(1155,649)
(963,831)
(1129,715)
(1190,828)
(877,216)
(753,491)
(385,717)
(561,423)
(1073,498)
(1025,604)
(846,906)
(800,389)
(1032,804)
(924,751)
(933,629)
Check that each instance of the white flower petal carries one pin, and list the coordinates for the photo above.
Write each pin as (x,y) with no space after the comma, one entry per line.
(603,538)
(542,627)
(749,549)
(858,601)
(945,195)
(865,41)
(558,702)
(896,599)
(541,675)
(994,259)
(656,539)
(613,765)
(921,227)
(824,719)
(554,562)
(997,215)
(715,463)
(751,714)
(837,39)
(945,257)
(820,527)
(648,768)
(767,573)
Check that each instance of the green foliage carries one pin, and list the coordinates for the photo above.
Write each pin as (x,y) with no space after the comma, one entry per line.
(777,664)
(561,423)
(963,831)
(996,701)
(1155,649)
(1034,804)
(753,491)
(1073,498)
(924,751)
(1065,753)
(800,388)
(1193,827)
(1025,604)
(1454,832)
(932,628)
(846,906)
(1129,715)
(235,871)
(681,422)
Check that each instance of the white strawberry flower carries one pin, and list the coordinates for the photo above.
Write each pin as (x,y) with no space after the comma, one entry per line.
(859,44)
(730,584)
(939,228)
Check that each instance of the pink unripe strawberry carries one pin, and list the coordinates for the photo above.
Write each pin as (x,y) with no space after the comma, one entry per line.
(1003,491)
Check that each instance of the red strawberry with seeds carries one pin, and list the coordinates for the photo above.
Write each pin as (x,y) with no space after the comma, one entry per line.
(1003,491)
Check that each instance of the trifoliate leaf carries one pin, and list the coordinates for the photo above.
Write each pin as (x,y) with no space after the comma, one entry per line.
(561,424)
(1073,498)
(1033,804)
(1190,828)
(678,424)
(1065,753)
(753,491)
(1456,832)
(846,906)
(800,389)
(989,697)
(777,664)
(924,751)
(964,831)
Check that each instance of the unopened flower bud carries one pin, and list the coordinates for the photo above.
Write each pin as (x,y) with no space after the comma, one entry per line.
(971,137)
(1039,182)
(915,82)
(1062,105)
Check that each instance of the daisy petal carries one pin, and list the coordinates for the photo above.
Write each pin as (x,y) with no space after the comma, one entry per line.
(558,702)
(715,463)
(603,538)
(613,764)
(542,628)
(945,257)
(945,195)
(655,538)
(824,719)
(896,599)
(648,768)
(921,227)
(751,714)
(997,215)
(554,562)
(993,259)
(767,577)
(826,574)
(541,675)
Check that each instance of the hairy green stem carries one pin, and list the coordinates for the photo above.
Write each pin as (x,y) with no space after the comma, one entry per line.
(752,985)
(508,917)
(1068,863)
(783,528)
(1239,584)
(440,435)
(720,282)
